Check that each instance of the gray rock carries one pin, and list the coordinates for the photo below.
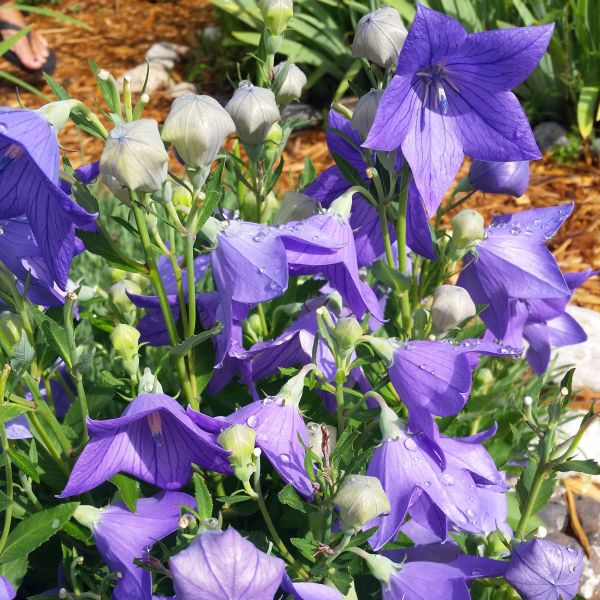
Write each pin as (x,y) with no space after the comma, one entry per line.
(181,88)
(166,54)
(588,511)
(302,111)
(158,78)
(554,515)
(590,577)
(550,134)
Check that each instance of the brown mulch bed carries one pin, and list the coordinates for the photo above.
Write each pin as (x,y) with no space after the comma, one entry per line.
(121,33)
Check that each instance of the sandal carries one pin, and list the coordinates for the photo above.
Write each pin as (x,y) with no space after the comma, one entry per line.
(12,57)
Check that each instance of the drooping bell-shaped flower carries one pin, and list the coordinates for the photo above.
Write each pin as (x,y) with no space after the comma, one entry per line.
(379,37)
(544,570)
(253,110)
(293,83)
(29,180)
(135,156)
(154,440)
(500,177)
(512,262)
(121,536)
(197,126)
(451,306)
(223,564)
(451,96)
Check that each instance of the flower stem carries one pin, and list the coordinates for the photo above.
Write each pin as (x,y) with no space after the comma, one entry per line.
(263,321)
(401,238)
(7,465)
(385,232)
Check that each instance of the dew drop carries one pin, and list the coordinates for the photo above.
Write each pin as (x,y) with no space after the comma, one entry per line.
(261,236)
(447,479)
(261,269)
(572,550)
(427,483)
(515,231)
(410,444)
(470,512)
(284,458)
(571,568)
(471,498)
(476,572)
(245,85)
(352,480)
(3,128)
(1,230)
(252,421)
(273,286)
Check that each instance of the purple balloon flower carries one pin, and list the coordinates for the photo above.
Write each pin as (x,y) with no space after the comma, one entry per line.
(500,177)
(364,220)
(223,564)
(544,570)
(154,441)
(121,536)
(512,262)
(7,591)
(451,96)
(309,591)
(29,179)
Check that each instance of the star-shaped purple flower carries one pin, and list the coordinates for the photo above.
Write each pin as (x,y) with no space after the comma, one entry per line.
(451,96)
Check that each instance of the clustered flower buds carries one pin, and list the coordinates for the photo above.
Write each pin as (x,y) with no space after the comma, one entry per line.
(451,306)
(379,37)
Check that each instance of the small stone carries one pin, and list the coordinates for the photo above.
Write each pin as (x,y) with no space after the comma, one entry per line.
(550,134)
(588,511)
(554,515)
(158,78)
(302,111)
(589,586)
(166,54)
(181,88)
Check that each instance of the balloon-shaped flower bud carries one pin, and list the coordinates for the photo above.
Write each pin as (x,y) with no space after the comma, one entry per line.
(293,82)
(276,14)
(118,294)
(360,499)
(181,198)
(87,515)
(11,327)
(451,306)
(253,110)
(239,440)
(295,206)
(135,156)
(467,228)
(252,327)
(364,113)
(197,126)
(346,333)
(544,569)
(500,177)
(379,37)
(125,340)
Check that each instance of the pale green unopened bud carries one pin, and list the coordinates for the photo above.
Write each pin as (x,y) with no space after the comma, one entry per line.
(252,327)
(381,567)
(320,442)
(181,198)
(87,515)
(135,156)
(384,347)
(365,111)
(197,126)
(342,205)
(467,228)
(451,306)
(57,113)
(273,142)
(295,206)
(253,110)
(346,333)
(291,391)
(124,339)
(360,499)
(379,37)
(118,294)
(11,326)
(292,84)
(239,440)
(276,14)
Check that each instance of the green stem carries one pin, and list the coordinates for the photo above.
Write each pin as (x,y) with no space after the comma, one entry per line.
(47,442)
(340,379)
(387,244)
(263,321)
(538,481)
(401,238)
(7,465)
(190,238)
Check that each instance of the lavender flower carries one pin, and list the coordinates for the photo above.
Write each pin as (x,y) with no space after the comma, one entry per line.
(7,592)
(512,262)
(500,177)
(451,96)
(309,591)
(29,178)
(154,440)
(121,536)
(223,564)
(544,570)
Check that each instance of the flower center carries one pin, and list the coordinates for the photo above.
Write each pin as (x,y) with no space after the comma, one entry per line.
(155,427)
(435,77)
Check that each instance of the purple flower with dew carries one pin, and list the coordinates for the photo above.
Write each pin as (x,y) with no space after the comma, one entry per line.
(20,253)
(451,96)
(512,262)
(7,591)
(309,591)
(29,178)
(223,564)
(409,466)
(280,429)
(121,536)
(364,220)
(543,570)
(155,441)
(500,177)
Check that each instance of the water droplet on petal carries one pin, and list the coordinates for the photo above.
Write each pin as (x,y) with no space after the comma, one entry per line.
(572,568)
(260,236)
(245,85)
(3,128)
(427,483)
(284,458)
(252,421)
(572,550)
(352,480)
(476,572)
(447,479)
(261,269)
(470,512)
(515,231)
(410,444)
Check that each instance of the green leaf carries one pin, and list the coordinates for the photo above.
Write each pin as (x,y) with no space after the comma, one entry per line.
(392,277)
(9,42)
(213,192)
(23,354)
(10,411)
(58,90)
(289,496)
(55,335)
(23,463)
(588,466)
(35,530)
(84,364)
(348,171)
(204,503)
(4,501)
(307,547)
(234,499)
(567,383)
(129,489)
(586,110)
(194,340)
(98,244)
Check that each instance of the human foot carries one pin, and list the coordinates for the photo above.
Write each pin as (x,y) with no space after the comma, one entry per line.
(32,50)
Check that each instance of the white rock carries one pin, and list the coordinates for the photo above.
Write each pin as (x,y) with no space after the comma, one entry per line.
(158,78)
(166,54)
(584,356)
(181,88)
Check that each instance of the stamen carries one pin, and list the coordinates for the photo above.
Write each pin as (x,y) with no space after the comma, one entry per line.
(442,100)
(155,427)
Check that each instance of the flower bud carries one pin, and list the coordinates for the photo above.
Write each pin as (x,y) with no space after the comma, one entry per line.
(181,198)
(293,83)
(11,326)
(197,126)
(346,333)
(149,383)
(319,443)
(273,141)
(360,499)
(119,190)
(500,177)
(118,294)
(135,156)
(365,111)
(57,113)
(252,327)
(276,14)
(239,440)
(87,515)
(253,110)
(451,306)
(467,227)
(379,37)
(125,339)
(295,206)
